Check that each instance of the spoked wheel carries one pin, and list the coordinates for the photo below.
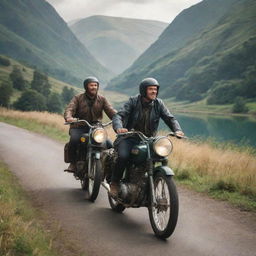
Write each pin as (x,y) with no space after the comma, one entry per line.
(117,207)
(91,183)
(164,215)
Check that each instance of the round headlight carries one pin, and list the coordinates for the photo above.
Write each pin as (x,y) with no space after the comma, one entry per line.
(99,135)
(162,146)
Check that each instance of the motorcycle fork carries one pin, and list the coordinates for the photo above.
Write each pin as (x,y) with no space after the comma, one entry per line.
(151,182)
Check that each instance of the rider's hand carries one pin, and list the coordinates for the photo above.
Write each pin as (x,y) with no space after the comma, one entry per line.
(71,119)
(121,130)
(179,133)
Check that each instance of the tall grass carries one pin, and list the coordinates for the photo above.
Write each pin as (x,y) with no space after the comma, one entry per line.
(214,169)
(228,169)
(49,124)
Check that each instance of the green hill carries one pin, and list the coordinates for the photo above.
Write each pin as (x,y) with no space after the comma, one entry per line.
(212,54)
(116,42)
(31,31)
(57,86)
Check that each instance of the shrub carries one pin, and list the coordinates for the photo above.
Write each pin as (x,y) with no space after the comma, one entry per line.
(40,83)
(4,61)
(239,106)
(17,79)
(5,95)
(224,92)
(31,100)
(54,103)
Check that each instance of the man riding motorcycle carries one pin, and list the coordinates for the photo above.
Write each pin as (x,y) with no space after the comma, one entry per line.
(88,106)
(141,113)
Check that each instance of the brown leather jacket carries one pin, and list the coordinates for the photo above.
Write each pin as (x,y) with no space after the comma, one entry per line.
(79,108)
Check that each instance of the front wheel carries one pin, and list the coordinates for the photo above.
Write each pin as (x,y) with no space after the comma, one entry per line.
(164,215)
(92,181)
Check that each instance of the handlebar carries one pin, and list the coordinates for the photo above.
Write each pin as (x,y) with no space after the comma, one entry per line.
(87,123)
(141,135)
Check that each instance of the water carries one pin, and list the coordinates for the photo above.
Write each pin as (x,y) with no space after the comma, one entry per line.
(238,130)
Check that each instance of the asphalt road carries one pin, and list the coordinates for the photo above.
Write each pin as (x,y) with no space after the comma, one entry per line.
(205,227)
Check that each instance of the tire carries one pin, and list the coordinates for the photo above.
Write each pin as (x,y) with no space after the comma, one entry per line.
(164,216)
(116,207)
(91,184)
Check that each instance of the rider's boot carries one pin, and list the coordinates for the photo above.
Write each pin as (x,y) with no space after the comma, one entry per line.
(114,189)
(71,168)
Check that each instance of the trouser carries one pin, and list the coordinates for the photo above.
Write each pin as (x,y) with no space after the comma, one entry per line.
(75,135)
(123,147)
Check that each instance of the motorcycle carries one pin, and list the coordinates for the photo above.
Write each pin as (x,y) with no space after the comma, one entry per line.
(88,164)
(147,182)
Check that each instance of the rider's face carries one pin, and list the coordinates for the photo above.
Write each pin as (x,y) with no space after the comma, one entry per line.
(92,89)
(151,92)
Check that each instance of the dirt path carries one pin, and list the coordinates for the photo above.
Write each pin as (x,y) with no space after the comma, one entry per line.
(205,227)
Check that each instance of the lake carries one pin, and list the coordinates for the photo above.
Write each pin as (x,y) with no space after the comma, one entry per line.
(235,129)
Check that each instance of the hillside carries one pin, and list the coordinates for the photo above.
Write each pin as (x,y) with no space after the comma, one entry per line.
(57,86)
(33,32)
(220,51)
(116,42)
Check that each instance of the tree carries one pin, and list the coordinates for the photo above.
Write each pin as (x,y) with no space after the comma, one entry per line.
(224,92)
(67,94)
(239,106)
(5,94)
(54,103)
(17,79)
(40,83)
(4,61)
(249,85)
(31,100)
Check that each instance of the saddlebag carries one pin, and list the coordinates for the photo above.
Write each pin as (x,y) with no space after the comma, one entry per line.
(66,153)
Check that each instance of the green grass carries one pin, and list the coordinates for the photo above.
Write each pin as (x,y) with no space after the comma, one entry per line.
(20,230)
(221,190)
(202,107)
(47,130)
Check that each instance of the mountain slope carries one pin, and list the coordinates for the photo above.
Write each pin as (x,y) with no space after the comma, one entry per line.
(33,32)
(116,42)
(224,49)
(189,23)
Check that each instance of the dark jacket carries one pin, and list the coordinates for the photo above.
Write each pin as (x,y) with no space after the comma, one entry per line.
(128,116)
(79,108)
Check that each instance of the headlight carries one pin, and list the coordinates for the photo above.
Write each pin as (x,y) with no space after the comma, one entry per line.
(99,135)
(162,146)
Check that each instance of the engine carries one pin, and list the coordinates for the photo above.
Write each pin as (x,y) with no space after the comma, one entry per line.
(132,191)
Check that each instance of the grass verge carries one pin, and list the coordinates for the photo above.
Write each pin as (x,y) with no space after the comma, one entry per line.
(20,230)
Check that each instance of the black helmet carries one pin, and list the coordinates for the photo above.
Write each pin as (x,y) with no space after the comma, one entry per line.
(146,83)
(90,79)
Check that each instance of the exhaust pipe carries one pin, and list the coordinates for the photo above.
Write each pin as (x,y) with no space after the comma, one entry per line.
(105,185)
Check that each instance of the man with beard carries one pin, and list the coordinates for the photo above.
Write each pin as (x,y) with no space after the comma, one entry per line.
(141,113)
(89,106)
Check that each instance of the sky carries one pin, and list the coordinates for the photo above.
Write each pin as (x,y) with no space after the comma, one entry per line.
(162,10)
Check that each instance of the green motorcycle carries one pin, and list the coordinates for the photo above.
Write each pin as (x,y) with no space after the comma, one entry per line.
(147,182)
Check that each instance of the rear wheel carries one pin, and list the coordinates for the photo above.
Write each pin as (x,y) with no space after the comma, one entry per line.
(91,182)
(164,215)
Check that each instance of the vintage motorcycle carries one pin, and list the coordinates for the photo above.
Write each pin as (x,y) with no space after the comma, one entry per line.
(88,164)
(147,182)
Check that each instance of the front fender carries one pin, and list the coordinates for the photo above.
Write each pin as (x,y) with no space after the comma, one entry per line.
(165,170)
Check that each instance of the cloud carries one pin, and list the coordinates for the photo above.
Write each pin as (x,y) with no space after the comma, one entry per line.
(164,10)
